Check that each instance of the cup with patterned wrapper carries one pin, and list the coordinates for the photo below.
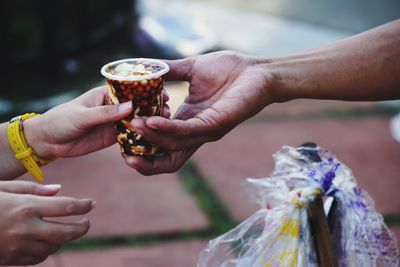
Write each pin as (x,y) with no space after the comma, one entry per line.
(139,80)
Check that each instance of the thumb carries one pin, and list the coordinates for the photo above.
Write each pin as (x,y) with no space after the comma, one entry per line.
(179,69)
(24,187)
(104,114)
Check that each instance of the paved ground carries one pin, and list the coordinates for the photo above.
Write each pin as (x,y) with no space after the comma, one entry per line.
(166,220)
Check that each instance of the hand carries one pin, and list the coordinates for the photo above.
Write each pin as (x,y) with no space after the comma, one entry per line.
(226,88)
(28,238)
(75,128)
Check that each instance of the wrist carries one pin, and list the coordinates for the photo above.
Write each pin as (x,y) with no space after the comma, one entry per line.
(36,138)
(283,84)
(273,85)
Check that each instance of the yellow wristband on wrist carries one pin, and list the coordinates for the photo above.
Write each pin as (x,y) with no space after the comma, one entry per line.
(23,152)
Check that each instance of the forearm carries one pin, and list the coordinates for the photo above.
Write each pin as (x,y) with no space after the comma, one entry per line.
(365,67)
(10,168)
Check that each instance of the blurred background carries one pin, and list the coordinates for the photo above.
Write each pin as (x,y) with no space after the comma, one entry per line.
(53,50)
(59,46)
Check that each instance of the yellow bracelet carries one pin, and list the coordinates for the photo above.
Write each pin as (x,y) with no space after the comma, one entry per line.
(23,152)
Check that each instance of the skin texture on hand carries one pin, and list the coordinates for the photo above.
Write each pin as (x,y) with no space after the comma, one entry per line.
(27,234)
(75,128)
(78,127)
(226,88)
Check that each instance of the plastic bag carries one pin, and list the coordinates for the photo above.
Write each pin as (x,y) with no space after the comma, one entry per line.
(279,234)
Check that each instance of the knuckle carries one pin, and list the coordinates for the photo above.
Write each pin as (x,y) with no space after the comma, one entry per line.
(27,211)
(71,207)
(108,111)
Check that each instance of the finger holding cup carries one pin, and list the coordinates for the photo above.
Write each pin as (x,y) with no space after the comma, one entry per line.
(141,81)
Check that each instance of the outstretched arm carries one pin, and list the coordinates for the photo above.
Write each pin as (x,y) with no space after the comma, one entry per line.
(227,88)
(365,67)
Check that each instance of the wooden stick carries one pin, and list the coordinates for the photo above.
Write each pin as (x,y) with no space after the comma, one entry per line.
(321,234)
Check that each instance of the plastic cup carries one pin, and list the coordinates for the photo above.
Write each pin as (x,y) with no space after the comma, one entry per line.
(139,80)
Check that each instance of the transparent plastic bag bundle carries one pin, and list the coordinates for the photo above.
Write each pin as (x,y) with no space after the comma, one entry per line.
(279,233)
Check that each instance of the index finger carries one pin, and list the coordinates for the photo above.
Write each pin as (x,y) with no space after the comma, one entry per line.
(60,206)
(179,70)
(94,97)
(192,126)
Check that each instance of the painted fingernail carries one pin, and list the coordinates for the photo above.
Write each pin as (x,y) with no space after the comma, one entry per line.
(52,186)
(124,106)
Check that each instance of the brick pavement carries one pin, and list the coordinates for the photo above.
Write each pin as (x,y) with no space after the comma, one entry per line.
(150,208)
(165,255)
(363,144)
(127,202)
(175,254)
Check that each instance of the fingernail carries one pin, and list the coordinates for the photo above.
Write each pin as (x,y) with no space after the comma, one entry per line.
(93,204)
(52,186)
(124,106)
(84,220)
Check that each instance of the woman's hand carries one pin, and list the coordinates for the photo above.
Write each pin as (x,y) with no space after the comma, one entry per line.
(75,128)
(27,236)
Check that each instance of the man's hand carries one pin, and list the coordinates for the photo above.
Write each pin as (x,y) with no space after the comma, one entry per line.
(226,88)
(27,237)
